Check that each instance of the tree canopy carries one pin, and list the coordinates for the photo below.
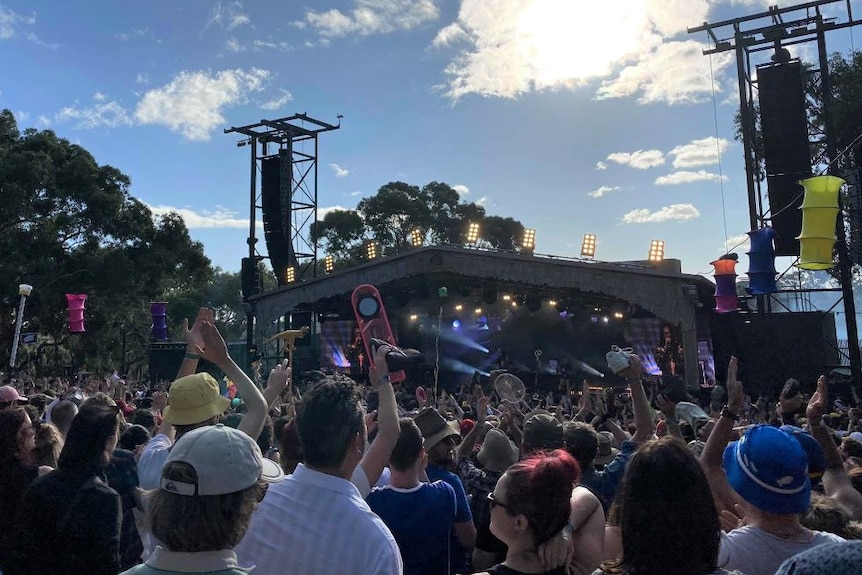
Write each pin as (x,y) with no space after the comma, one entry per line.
(390,216)
(70,225)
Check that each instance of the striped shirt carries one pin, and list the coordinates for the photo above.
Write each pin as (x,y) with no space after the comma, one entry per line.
(312,522)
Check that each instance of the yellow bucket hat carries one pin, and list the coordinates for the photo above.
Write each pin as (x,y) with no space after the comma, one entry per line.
(194,399)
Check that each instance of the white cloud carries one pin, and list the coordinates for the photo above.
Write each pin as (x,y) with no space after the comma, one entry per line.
(372,17)
(216,219)
(518,46)
(282,46)
(451,34)
(483,201)
(136,33)
(461,189)
(321,212)
(674,73)
(674,212)
(339,171)
(355,194)
(641,159)
(233,45)
(684,177)
(598,193)
(601,166)
(278,101)
(99,97)
(228,15)
(193,102)
(704,152)
(738,243)
(142,78)
(100,115)
(11,22)
(44,121)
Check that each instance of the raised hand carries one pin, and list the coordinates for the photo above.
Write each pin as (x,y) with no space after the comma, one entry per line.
(634,369)
(214,348)
(194,336)
(482,409)
(380,371)
(279,377)
(817,404)
(666,406)
(735,394)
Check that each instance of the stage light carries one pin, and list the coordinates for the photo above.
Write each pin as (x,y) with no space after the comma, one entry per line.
(329,264)
(371,250)
(656,251)
(477,311)
(456,324)
(588,246)
(417,237)
(414,317)
(290,275)
(459,307)
(552,302)
(473,233)
(528,244)
(605,319)
(618,314)
(507,297)
(514,304)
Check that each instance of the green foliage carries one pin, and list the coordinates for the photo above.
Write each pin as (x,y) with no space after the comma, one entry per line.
(390,216)
(69,225)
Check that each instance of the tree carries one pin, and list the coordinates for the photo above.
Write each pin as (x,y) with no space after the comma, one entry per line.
(390,216)
(70,225)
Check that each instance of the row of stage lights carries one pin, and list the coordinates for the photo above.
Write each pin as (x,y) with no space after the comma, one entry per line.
(528,244)
(596,315)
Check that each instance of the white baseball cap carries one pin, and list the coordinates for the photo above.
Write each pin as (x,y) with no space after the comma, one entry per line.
(225,460)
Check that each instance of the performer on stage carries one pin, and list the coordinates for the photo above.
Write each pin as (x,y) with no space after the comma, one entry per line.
(356,357)
(668,355)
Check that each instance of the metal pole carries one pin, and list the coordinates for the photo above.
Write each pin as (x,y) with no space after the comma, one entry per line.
(23,290)
(252,240)
(844,266)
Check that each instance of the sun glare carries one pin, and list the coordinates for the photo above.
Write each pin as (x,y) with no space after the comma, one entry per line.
(568,43)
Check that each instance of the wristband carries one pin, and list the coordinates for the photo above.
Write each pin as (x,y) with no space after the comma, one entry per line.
(726,412)
(194,356)
(383,379)
(568,529)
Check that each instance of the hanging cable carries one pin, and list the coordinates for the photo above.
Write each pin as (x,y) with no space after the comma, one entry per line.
(718,149)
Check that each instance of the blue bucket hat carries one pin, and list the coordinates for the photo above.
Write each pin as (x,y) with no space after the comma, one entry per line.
(769,469)
(813,450)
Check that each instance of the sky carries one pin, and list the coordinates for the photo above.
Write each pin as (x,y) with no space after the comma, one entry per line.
(574,117)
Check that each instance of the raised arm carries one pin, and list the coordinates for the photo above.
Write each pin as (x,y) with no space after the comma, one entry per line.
(278,380)
(388,429)
(640,405)
(215,350)
(723,495)
(194,342)
(465,449)
(835,479)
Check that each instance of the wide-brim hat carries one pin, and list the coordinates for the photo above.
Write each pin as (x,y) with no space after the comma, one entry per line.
(769,469)
(434,428)
(194,399)
(498,452)
(606,452)
(813,450)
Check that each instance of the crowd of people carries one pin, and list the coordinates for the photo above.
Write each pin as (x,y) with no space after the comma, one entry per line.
(352,478)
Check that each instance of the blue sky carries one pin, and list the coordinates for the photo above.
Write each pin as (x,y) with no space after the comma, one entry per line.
(573,117)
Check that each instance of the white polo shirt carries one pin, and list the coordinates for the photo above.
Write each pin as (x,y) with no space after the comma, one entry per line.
(312,522)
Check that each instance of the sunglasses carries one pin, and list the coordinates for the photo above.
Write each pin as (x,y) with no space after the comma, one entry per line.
(492,503)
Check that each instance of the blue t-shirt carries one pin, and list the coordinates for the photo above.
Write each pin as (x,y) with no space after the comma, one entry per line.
(421,520)
(463,513)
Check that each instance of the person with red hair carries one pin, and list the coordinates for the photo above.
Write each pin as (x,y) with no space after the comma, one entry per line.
(531,504)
